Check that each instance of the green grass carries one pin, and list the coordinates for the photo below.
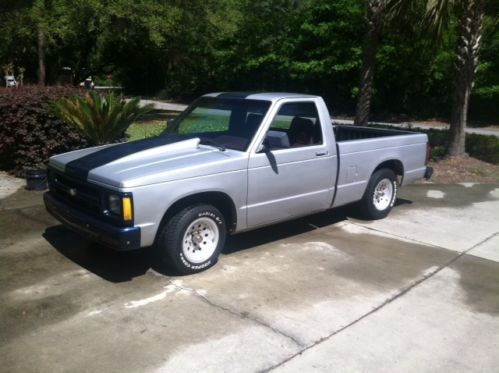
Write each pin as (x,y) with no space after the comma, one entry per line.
(143,130)
(150,125)
(155,125)
(202,123)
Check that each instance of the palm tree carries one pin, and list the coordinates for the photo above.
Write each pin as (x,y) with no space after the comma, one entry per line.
(470,28)
(374,17)
(377,11)
(470,15)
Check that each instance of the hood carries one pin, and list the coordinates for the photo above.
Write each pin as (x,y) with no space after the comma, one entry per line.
(156,160)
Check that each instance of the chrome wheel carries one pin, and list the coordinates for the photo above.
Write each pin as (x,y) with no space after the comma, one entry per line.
(383,194)
(200,240)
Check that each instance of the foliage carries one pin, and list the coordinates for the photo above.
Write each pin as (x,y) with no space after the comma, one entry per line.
(29,131)
(483,147)
(100,119)
(184,48)
(485,98)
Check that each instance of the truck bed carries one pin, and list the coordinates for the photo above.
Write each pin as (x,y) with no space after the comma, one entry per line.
(349,133)
(362,149)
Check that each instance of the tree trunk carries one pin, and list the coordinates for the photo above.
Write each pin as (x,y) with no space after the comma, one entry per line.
(41,57)
(374,13)
(471,14)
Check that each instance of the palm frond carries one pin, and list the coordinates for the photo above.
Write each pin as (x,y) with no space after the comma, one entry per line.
(438,17)
(101,119)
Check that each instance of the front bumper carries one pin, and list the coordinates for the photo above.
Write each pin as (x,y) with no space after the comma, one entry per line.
(428,172)
(119,238)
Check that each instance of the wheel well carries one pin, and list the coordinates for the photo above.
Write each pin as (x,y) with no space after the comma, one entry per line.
(394,165)
(217,199)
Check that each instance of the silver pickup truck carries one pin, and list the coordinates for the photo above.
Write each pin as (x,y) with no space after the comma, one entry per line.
(229,163)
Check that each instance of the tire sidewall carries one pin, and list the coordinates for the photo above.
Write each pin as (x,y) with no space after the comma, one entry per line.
(175,234)
(371,210)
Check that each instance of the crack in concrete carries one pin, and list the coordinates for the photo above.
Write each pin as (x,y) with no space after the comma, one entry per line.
(397,295)
(243,315)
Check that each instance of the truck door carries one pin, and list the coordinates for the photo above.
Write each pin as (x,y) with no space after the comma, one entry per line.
(293,174)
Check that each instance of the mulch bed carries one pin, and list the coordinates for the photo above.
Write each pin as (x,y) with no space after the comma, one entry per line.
(463,169)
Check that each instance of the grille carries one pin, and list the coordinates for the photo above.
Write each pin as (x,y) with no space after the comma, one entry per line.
(75,193)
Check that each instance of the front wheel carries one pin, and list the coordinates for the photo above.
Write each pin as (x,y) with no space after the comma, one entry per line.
(192,239)
(380,195)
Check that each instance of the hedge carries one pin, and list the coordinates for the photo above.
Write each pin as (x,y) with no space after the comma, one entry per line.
(483,147)
(29,131)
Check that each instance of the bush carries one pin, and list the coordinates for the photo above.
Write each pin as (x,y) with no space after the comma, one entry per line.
(101,119)
(29,130)
(482,147)
(484,108)
(485,148)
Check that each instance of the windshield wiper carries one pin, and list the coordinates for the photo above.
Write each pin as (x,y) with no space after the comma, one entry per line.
(211,142)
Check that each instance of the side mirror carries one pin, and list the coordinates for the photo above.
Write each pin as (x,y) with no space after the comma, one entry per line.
(263,147)
(170,125)
(276,140)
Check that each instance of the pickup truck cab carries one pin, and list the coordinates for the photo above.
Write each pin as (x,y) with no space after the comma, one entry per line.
(231,162)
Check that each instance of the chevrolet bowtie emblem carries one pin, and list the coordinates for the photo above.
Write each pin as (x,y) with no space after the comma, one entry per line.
(72,192)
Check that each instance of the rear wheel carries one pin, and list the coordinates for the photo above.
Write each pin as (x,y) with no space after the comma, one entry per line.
(192,239)
(380,195)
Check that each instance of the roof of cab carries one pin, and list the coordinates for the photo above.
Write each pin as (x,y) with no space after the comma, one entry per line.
(270,96)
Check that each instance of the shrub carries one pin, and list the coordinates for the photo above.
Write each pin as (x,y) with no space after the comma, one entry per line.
(485,148)
(29,130)
(483,105)
(101,119)
(482,147)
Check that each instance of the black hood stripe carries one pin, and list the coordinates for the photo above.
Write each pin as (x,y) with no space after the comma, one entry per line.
(79,168)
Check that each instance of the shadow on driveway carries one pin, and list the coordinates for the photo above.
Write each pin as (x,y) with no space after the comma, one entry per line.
(111,265)
(122,266)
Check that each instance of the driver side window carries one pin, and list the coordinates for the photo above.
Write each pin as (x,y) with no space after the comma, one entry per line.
(295,125)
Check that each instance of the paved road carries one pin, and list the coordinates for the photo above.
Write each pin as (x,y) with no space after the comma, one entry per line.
(481,131)
(416,292)
(489,131)
(158,105)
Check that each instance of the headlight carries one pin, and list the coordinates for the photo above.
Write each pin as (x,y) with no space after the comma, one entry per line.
(114,204)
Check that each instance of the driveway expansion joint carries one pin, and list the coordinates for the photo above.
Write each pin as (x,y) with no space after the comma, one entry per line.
(400,236)
(397,295)
(243,315)
(465,252)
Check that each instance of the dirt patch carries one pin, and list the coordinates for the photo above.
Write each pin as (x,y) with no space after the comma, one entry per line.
(463,170)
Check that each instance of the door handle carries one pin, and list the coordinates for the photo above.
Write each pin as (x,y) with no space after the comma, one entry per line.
(321,154)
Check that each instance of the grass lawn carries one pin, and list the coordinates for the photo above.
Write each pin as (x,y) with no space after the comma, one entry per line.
(142,130)
(151,124)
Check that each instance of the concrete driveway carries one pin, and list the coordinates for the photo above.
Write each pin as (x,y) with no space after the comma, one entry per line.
(418,291)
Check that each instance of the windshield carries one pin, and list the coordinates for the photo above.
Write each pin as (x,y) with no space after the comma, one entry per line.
(223,122)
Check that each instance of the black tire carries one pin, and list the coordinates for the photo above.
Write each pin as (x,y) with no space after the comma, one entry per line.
(372,206)
(177,253)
